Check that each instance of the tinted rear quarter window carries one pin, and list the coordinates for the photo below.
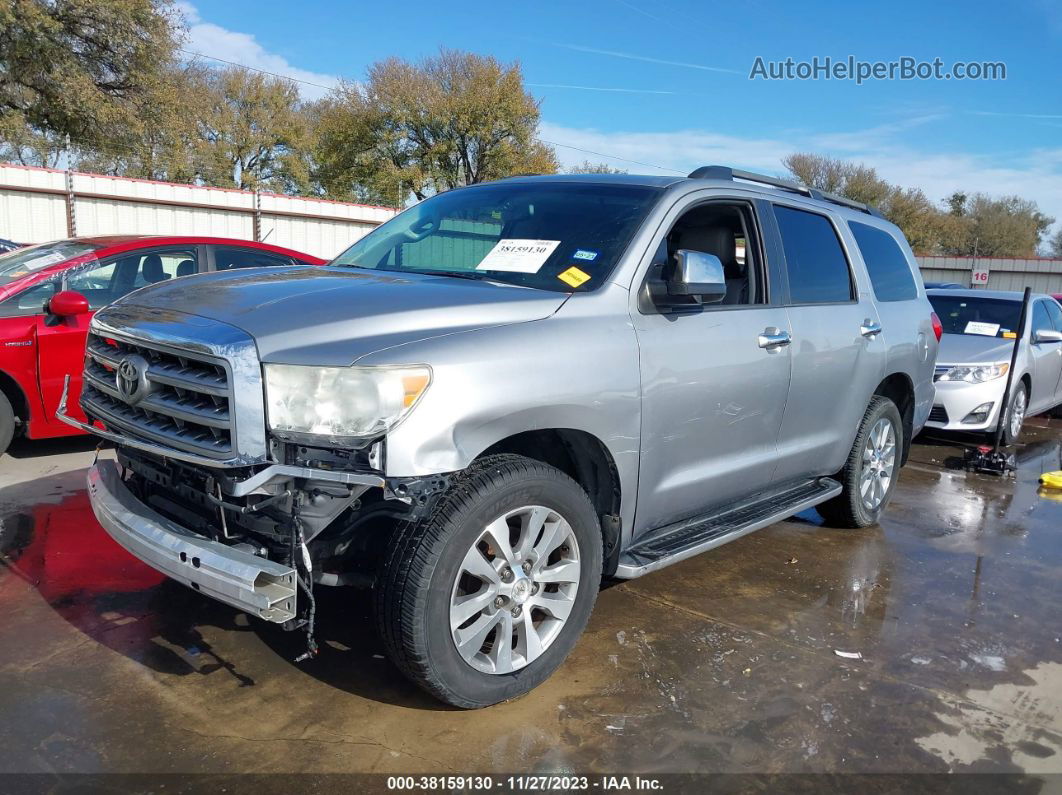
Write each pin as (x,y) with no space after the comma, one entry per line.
(889,270)
(228,258)
(818,268)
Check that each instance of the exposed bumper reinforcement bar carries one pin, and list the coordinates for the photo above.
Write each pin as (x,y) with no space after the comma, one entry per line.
(259,586)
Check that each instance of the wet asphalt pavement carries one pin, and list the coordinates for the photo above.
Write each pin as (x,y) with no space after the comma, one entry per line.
(724,663)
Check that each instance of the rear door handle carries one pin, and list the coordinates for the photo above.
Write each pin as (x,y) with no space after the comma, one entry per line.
(870,328)
(773,337)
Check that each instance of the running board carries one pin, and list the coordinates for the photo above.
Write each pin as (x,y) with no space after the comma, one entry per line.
(690,537)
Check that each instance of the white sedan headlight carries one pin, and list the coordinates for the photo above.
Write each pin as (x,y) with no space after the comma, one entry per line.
(975,373)
(358,402)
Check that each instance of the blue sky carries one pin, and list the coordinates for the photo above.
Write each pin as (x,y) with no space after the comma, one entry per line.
(667,82)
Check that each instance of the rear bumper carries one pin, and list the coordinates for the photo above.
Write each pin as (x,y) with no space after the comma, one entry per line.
(259,586)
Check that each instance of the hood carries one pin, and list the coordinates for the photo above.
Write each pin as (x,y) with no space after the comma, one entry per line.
(973,349)
(334,316)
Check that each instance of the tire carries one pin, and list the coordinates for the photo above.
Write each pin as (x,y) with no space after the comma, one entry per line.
(1019,398)
(849,509)
(425,570)
(7,423)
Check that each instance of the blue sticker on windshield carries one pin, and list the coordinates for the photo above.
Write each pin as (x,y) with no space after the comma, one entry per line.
(585,254)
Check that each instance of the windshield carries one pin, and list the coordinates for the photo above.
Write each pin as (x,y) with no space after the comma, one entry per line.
(20,262)
(985,317)
(553,236)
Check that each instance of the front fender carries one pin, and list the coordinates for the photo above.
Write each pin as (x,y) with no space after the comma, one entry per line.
(577,369)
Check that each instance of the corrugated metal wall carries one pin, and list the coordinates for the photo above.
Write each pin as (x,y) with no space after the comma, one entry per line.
(34,208)
(457,241)
(1042,274)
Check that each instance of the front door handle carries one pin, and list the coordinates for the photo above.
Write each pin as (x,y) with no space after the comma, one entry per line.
(870,328)
(773,337)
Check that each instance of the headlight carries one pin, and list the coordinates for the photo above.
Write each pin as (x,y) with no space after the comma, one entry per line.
(341,401)
(975,374)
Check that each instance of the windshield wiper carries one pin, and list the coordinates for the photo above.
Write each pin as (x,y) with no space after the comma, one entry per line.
(473,275)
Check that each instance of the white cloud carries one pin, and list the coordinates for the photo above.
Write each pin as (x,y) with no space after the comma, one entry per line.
(1035,175)
(214,41)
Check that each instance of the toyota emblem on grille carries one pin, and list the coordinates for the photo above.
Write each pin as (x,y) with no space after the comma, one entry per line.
(131,378)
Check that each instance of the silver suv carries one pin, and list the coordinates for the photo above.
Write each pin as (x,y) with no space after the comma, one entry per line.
(506,393)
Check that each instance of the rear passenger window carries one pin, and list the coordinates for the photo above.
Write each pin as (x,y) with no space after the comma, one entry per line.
(818,269)
(227,258)
(888,268)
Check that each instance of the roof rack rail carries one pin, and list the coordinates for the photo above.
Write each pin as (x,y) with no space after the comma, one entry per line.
(725,172)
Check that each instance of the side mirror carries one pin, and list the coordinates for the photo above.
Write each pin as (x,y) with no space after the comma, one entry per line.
(1047,335)
(699,275)
(68,303)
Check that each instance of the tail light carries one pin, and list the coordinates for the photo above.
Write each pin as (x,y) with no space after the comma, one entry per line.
(938,329)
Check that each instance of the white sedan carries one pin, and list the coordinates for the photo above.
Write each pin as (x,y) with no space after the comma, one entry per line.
(980,330)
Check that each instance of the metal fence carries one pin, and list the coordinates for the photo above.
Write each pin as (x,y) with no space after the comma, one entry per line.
(1042,274)
(40,204)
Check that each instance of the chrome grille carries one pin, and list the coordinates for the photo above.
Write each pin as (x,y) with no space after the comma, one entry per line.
(187,405)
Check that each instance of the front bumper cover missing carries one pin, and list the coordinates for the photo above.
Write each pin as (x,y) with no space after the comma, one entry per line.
(260,586)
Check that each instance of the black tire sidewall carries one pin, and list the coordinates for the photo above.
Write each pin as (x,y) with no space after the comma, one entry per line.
(7,423)
(1009,438)
(465,526)
(884,408)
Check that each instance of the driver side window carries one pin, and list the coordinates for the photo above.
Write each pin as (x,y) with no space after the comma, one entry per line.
(30,301)
(722,230)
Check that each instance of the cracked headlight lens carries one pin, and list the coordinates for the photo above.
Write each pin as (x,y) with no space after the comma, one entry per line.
(359,402)
(976,373)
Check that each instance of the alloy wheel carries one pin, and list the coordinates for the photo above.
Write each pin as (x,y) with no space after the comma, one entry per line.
(514,589)
(1017,413)
(879,464)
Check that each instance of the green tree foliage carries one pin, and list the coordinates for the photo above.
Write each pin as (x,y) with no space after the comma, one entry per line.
(1054,247)
(586,167)
(20,143)
(1007,226)
(163,140)
(253,132)
(76,68)
(453,119)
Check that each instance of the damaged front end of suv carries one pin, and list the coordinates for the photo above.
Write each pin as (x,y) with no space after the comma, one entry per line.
(230,475)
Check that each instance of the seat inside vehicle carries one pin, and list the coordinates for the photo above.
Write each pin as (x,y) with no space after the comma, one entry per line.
(152,269)
(718,230)
(186,267)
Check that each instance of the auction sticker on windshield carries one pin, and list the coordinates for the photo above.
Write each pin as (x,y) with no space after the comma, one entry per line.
(518,256)
(986,329)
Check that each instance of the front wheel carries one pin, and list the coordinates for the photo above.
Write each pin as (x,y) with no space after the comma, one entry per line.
(869,475)
(484,599)
(1019,405)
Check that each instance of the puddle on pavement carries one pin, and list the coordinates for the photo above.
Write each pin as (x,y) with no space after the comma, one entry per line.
(723,662)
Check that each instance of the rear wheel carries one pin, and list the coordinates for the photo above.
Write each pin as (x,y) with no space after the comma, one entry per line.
(484,599)
(869,475)
(7,423)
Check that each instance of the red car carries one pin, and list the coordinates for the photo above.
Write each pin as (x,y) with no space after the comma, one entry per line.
(48,293)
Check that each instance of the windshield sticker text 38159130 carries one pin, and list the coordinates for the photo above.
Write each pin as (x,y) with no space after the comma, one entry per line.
(515,255)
